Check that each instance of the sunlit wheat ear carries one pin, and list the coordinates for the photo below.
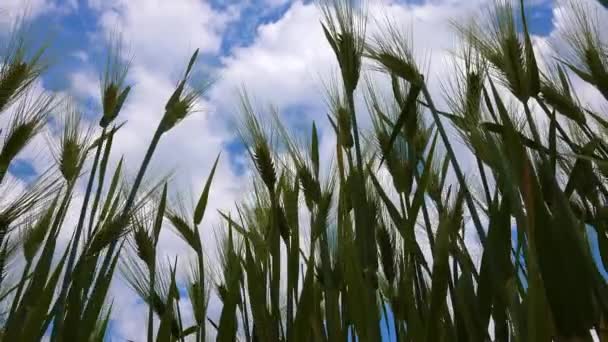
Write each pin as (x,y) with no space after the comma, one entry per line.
(437,179)
(555,91)
(229,245)
(498,40)
(199,295)
(114,90)
(33,197)
(587,53)
(344,24)
(337,106)
(463,91)
(138,279)
(392,51)
(179,219)
(185,98)
(258,141)
(401,157)
(20,66)
(142,239)
(118,222)
(35,232)
(303,163)
(28,120)
(110,232)
(387,249)
(73,143)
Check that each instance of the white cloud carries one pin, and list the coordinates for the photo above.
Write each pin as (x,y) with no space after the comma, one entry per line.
(282,65)
(161,32)
(84,84)
(12,9)
(288,58)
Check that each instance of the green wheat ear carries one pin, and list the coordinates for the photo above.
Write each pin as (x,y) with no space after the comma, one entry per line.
(184,99)
(35,232)
(28,120)
(586,55)
(258,142)
(344,24)
(392,51)
(73,143)
(114,91)
(20,65)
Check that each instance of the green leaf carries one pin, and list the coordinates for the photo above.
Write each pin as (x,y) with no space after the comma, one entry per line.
(406,118)
(191,63)
(305,311)
(98,296)
(37,311)
(160,213)
(314,150)
(582,176)
(228,327)
(439,281)
(199,212)
(496,267)
(111,191)
(567,268)
(257,288)
(185,231)
(531,66)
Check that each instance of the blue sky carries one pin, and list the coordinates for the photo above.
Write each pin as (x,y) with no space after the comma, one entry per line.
(75,30)
(273,48)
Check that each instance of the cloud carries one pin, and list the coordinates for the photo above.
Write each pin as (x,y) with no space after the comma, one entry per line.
(15,8)
(282,65)
(289,57)
(12,9)
(84,83)
(161,32)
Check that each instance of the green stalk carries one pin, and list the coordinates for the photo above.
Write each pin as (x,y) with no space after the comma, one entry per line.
(74,248)
(245,313)
(457,170)
(363,240)
(100,183)
(3,170)
(276,265)
(201,273)
(179,318)
(532,124)
(48,249)
(425,215)
(484,180)
(152,271)
(290,290)
(351,105)
(140,175)
(142,169)
(558,126)
(24,277)
(331,297)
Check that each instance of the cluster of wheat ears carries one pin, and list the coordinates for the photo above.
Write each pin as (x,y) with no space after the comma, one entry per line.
(334,252)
